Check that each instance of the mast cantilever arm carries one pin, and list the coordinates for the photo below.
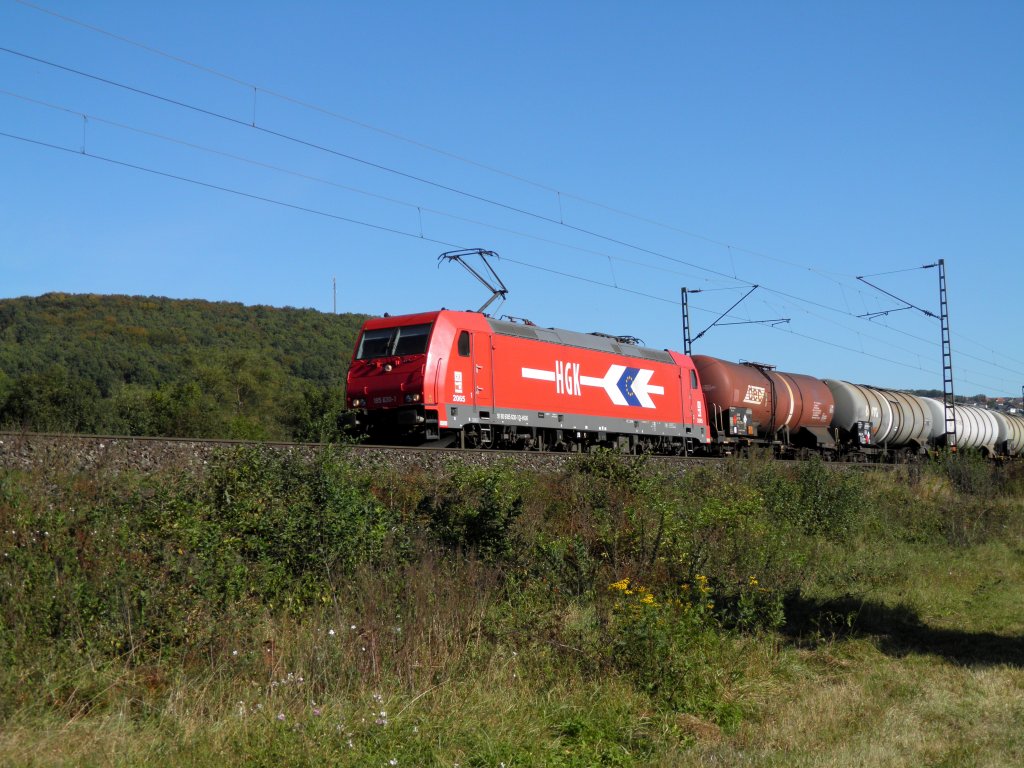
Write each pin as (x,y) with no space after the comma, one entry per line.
(730,309)
(894,296)
(774,321)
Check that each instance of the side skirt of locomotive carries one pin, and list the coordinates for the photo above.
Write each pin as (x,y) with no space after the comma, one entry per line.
(501,428)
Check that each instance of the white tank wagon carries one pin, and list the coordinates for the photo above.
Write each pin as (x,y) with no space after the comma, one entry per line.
(856,404)
(1015,439)
(895,419)
(912,419)
(938,419)
(975,427)
(1010,440)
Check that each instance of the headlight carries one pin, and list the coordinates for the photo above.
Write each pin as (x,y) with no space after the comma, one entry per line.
(356,402)
(412,398)
(388,367)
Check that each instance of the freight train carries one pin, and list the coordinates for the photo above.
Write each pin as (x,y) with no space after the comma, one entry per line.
(466,379)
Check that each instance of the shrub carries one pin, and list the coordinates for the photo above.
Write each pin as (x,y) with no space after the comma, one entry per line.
(616,511)
(474,509)
(822,500)
(286,529)
(173,565)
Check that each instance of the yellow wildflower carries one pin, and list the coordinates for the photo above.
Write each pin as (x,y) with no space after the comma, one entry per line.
(702,583)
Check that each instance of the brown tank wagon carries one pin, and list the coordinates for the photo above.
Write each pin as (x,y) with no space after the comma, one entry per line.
(751,400)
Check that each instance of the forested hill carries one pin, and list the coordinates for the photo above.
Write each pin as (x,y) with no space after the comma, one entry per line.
(154,366)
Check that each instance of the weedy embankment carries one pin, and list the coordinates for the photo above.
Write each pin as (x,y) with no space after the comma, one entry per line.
(288,612)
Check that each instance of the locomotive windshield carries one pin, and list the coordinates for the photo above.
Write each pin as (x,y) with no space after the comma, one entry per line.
(390,342)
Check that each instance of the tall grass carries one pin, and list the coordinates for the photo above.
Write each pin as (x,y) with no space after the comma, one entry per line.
(285,611)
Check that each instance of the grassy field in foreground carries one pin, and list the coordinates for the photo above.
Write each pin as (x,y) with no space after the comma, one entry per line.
(280,612)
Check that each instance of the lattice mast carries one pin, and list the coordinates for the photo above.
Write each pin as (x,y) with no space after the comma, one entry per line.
(686,322)
(948,398)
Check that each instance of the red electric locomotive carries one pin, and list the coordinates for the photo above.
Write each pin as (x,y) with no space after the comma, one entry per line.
(464,378)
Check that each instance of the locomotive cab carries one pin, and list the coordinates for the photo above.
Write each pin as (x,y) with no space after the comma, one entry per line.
(385,384)
(417,378)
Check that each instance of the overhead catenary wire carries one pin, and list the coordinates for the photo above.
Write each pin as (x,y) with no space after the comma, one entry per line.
(700,309)
(423,145)
(221,188)
(419,207)
(312,145)
(413,142)
(378,166)
(899,331)
(420,236)
(306,209)
(909,305)
(362,161)
(455,190)
(896,271)
(395,231)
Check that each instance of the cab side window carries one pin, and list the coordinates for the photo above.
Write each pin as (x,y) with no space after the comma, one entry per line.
(693,379)
(464,344)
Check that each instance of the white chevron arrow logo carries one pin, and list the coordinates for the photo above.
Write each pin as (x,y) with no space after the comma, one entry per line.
(624,386)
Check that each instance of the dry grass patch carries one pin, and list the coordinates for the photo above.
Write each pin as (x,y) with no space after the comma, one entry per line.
(884,711)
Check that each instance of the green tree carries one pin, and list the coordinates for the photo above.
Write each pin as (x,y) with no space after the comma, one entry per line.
(154,366)
(51,401)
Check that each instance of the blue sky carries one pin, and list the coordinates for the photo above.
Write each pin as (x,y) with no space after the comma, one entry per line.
(611,154)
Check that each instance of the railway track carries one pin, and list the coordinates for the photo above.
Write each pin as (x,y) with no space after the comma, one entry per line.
(80,452)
